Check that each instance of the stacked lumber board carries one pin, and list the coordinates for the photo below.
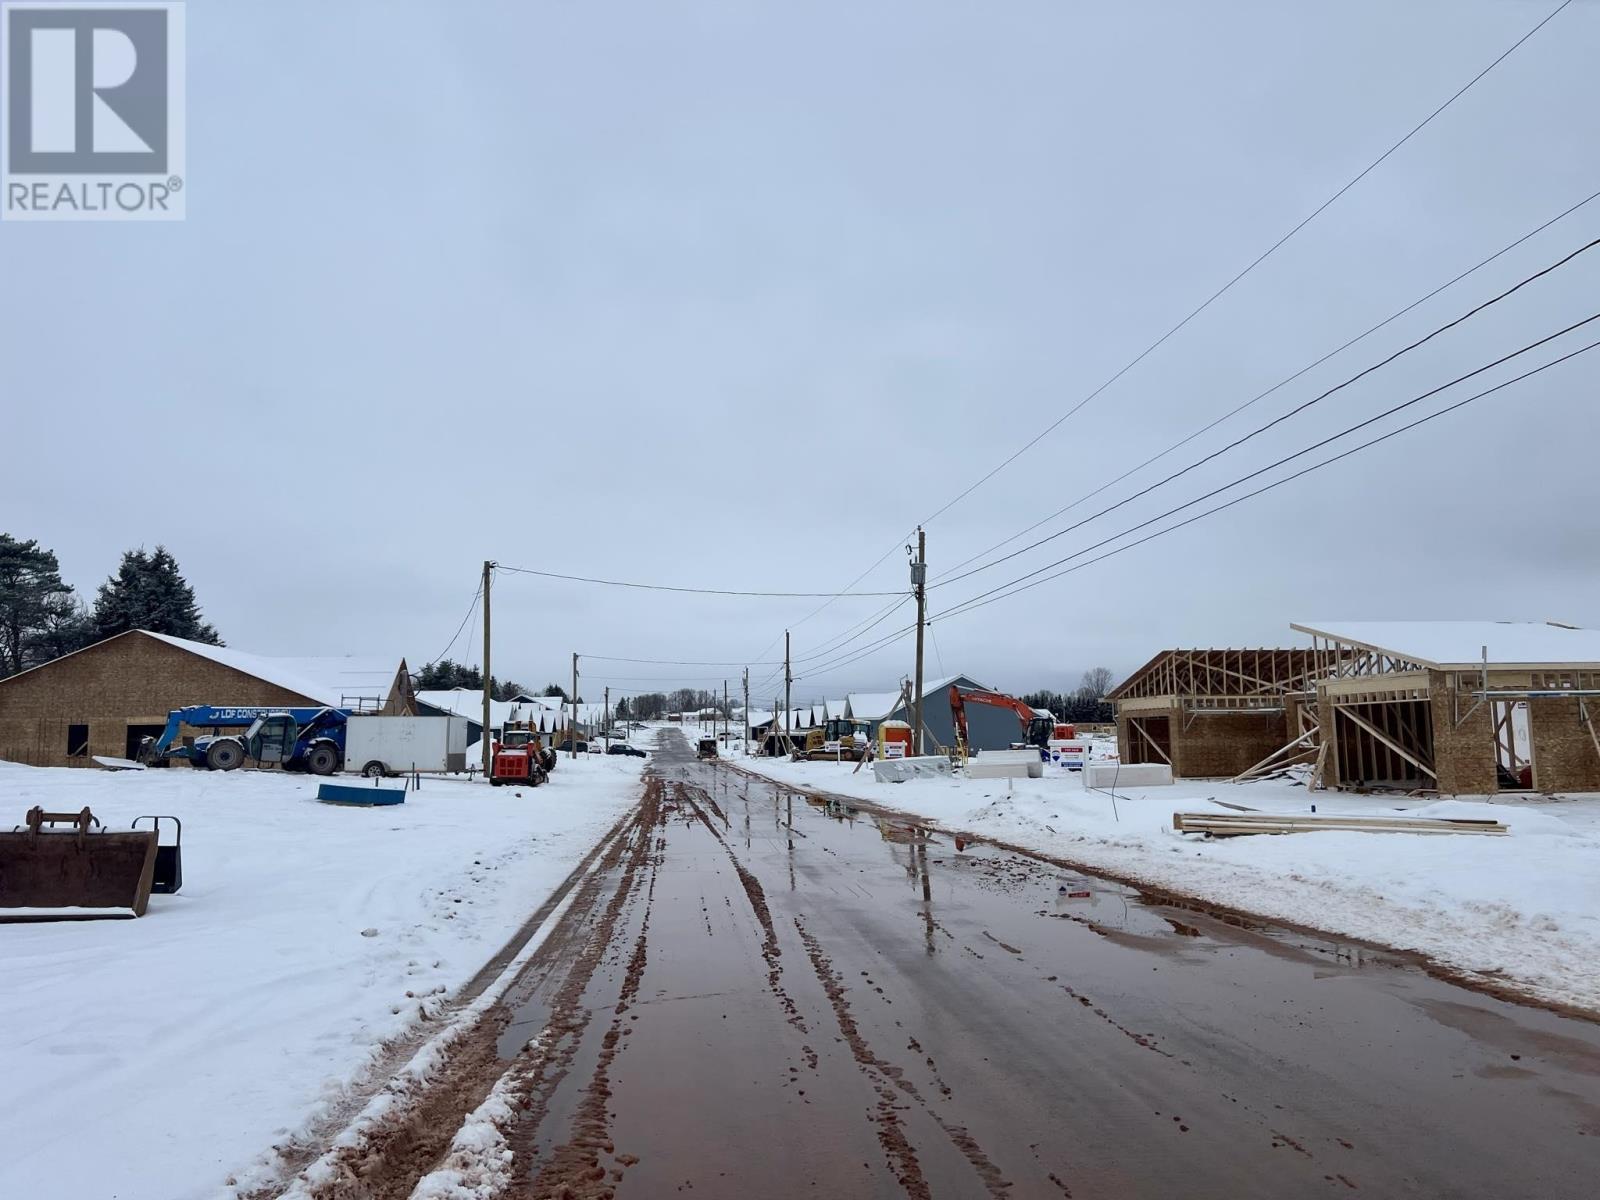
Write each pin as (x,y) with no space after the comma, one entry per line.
(1237,824)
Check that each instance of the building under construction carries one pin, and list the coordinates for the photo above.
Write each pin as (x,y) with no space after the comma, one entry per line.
(1460,707)
(1208,713)
(1456,707)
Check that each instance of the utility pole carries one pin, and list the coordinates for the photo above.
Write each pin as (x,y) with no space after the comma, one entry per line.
(608,718)
(574,704)
(488,574)
(727,717)
(788,680)
(747,712)
(919,583)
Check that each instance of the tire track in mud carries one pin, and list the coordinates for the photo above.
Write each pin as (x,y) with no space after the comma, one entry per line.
(889,1082)
(291,1158)
(756,894)
(386,1160)
(571,1168)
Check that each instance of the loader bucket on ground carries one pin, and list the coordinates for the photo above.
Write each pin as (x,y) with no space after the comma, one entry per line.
(74,873)
(169,859)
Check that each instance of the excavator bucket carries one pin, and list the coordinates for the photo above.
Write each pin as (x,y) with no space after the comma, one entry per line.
(73,873)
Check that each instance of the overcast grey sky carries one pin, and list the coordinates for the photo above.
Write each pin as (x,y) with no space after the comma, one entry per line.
(733,294)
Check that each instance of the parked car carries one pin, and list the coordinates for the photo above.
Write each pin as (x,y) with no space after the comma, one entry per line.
(566,747)
(624,748)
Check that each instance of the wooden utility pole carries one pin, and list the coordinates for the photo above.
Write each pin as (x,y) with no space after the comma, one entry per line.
(488,575)
(788,681)
(727,717)
(607,711)
(574,705)
(919,582)
(747,712)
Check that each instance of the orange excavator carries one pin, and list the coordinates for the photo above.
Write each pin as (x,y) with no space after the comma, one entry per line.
(1038,729)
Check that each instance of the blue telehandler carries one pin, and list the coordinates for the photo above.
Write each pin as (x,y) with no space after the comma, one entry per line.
(297,739)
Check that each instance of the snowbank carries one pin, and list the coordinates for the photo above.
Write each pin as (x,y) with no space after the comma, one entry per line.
(1522,911)
(149,1059)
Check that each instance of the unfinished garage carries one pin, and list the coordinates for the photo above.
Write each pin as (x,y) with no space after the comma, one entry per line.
(103,700)
(1457,707)
(1216,713)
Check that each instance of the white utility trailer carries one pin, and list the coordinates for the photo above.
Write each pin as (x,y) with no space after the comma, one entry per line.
(376,746)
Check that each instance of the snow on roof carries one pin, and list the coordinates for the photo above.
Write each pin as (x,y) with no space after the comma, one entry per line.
(872,706)
(834,708)
(332,681)
(1458,645)
(875,706)
(468,702)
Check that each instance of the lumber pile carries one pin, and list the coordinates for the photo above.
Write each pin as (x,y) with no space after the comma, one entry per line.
(1238,824)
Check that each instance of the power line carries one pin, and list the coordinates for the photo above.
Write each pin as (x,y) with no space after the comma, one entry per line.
(842,657)
(1319,444)
(1256,262)
(976,602)
(1278,420)
(662,587)
(673,662)
(1284,382)
(1025,582)
(471,608)
(1205,304)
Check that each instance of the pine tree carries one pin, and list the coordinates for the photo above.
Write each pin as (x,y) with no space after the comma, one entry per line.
(149,592)
(33,600)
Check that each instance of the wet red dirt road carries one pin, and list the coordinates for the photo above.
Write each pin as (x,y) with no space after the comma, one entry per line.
(770,996)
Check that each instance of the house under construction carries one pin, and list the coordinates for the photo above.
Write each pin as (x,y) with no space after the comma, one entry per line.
(1218,712)
(1462,707)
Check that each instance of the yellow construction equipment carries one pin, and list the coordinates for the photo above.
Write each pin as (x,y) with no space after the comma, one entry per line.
(838,739)
(82,871)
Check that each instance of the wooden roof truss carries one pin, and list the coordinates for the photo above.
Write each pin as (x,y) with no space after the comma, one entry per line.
(1223,680)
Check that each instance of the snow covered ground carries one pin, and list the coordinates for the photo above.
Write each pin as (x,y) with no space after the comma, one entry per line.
(1522,911)
(149,1059)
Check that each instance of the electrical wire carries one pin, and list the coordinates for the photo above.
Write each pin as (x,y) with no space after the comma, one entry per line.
(674,662)
(1293,412)
(471,608)
(1205,304)
(1475,310)
(1284,382)
(1026,582)
(972,602)
(1256,262)
(662,587)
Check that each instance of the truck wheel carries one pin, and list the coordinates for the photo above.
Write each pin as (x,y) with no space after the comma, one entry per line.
(224,755)
(375,770)
(496,782)
(322,760)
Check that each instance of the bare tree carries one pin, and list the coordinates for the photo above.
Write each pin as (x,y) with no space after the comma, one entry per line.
(1097,682)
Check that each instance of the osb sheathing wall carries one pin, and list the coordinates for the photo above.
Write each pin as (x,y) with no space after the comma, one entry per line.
(1464,757)
(1564,754)
(1223,744)
(132,679)
(1216,745)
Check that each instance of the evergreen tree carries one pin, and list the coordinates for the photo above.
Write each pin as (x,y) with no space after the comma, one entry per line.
(149,592)
(555,689)
(33,602)
(622,709)
(444,675)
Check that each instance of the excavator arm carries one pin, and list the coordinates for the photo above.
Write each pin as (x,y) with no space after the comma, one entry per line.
(960,699)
